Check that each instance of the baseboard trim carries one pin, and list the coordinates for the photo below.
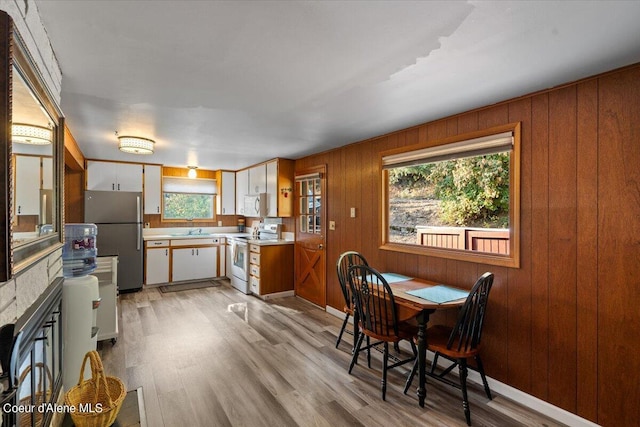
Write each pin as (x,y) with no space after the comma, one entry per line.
(532,402)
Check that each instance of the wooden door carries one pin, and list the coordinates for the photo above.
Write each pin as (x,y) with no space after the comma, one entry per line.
(310,260)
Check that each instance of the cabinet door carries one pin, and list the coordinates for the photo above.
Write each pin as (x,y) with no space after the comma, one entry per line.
(183,262)
(242,189)
(129,177)
(194,263)
(207,262)
(27,185)
(258,179)
(101,176)
(228,196)
(272,188)
(157,265)
(152,189)
(47,173)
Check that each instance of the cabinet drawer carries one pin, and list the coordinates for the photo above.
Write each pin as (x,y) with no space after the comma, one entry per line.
(254,248)
(196,242)
(255,270)
(255,285)
(254,258)
(157,243)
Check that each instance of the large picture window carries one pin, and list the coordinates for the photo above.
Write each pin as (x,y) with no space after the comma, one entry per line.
(455,198)
(188,199)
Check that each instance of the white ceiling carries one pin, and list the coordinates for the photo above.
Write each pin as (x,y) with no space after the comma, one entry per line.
(230,84)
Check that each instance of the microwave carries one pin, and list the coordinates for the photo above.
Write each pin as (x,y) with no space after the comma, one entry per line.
(255,205)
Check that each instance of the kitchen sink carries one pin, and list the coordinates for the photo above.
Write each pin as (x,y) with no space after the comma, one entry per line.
(191,235)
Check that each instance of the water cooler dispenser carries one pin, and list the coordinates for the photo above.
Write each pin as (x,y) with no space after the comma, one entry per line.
(80,299)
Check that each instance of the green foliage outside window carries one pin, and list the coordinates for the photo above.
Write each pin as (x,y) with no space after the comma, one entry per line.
(188,206)
(473,189)
(469,191)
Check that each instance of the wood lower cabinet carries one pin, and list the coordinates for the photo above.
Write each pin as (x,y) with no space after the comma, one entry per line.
(271,270)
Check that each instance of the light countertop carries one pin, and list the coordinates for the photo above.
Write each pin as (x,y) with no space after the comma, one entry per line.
(169,234)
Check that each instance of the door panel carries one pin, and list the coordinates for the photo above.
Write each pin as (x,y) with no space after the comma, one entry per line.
(310,262)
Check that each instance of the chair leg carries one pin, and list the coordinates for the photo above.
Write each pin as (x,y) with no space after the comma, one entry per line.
(462,367)
(354,358)
(385,362)
(412,374)
(434,363)
(368,352)
(484,378)
(344,325)
(396,347)
(356,329)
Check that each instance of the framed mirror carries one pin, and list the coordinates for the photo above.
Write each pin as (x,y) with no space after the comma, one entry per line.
(32,148)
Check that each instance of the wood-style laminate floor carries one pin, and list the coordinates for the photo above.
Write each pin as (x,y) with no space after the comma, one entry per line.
(216,357)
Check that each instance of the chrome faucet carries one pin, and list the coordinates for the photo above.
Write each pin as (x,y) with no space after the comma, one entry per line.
(194,231)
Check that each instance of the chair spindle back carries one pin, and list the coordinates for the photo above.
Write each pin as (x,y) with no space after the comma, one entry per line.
(346,260)
(374,301)
(466,334)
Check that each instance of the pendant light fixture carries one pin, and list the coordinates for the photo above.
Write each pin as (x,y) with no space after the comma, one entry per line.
(135,144)
(193,174)
(31,134)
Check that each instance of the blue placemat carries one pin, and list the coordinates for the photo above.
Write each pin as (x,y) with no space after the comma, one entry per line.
(439,294)
(393,277)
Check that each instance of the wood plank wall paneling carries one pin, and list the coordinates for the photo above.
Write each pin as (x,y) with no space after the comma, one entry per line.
(73,157)
(73,195)
(587,253)
(520,348)
(618,246)
(562,246)
(564,326)
(540,246)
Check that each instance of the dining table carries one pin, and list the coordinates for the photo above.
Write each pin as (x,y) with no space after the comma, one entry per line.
(410,306)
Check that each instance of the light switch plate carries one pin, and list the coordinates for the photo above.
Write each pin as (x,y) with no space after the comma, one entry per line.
(353,212)
(332,225)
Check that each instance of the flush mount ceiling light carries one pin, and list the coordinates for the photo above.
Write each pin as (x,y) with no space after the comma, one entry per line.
(31,134)
(192,172)
(135,145)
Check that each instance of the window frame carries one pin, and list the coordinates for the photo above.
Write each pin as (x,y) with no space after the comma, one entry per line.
(195,193)
(513,258)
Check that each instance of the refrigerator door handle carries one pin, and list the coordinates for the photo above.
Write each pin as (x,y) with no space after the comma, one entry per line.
(138,210)
(139,227)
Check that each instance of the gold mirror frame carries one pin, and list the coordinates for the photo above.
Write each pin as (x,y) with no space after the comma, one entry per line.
(13,53)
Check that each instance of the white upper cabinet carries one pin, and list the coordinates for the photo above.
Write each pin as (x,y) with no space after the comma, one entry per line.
(152,189)
(258,179)
(227,190)
(242,189)
(47,173)
(272,188)
(113,176)
(27,185)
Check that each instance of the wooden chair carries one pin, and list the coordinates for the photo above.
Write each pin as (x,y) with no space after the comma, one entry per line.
(461,343)
(346,260)
(378,320)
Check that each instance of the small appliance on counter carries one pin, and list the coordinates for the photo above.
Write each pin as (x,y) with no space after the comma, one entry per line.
(80,298)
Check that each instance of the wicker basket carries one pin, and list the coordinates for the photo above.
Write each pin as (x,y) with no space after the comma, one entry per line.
(102,395)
